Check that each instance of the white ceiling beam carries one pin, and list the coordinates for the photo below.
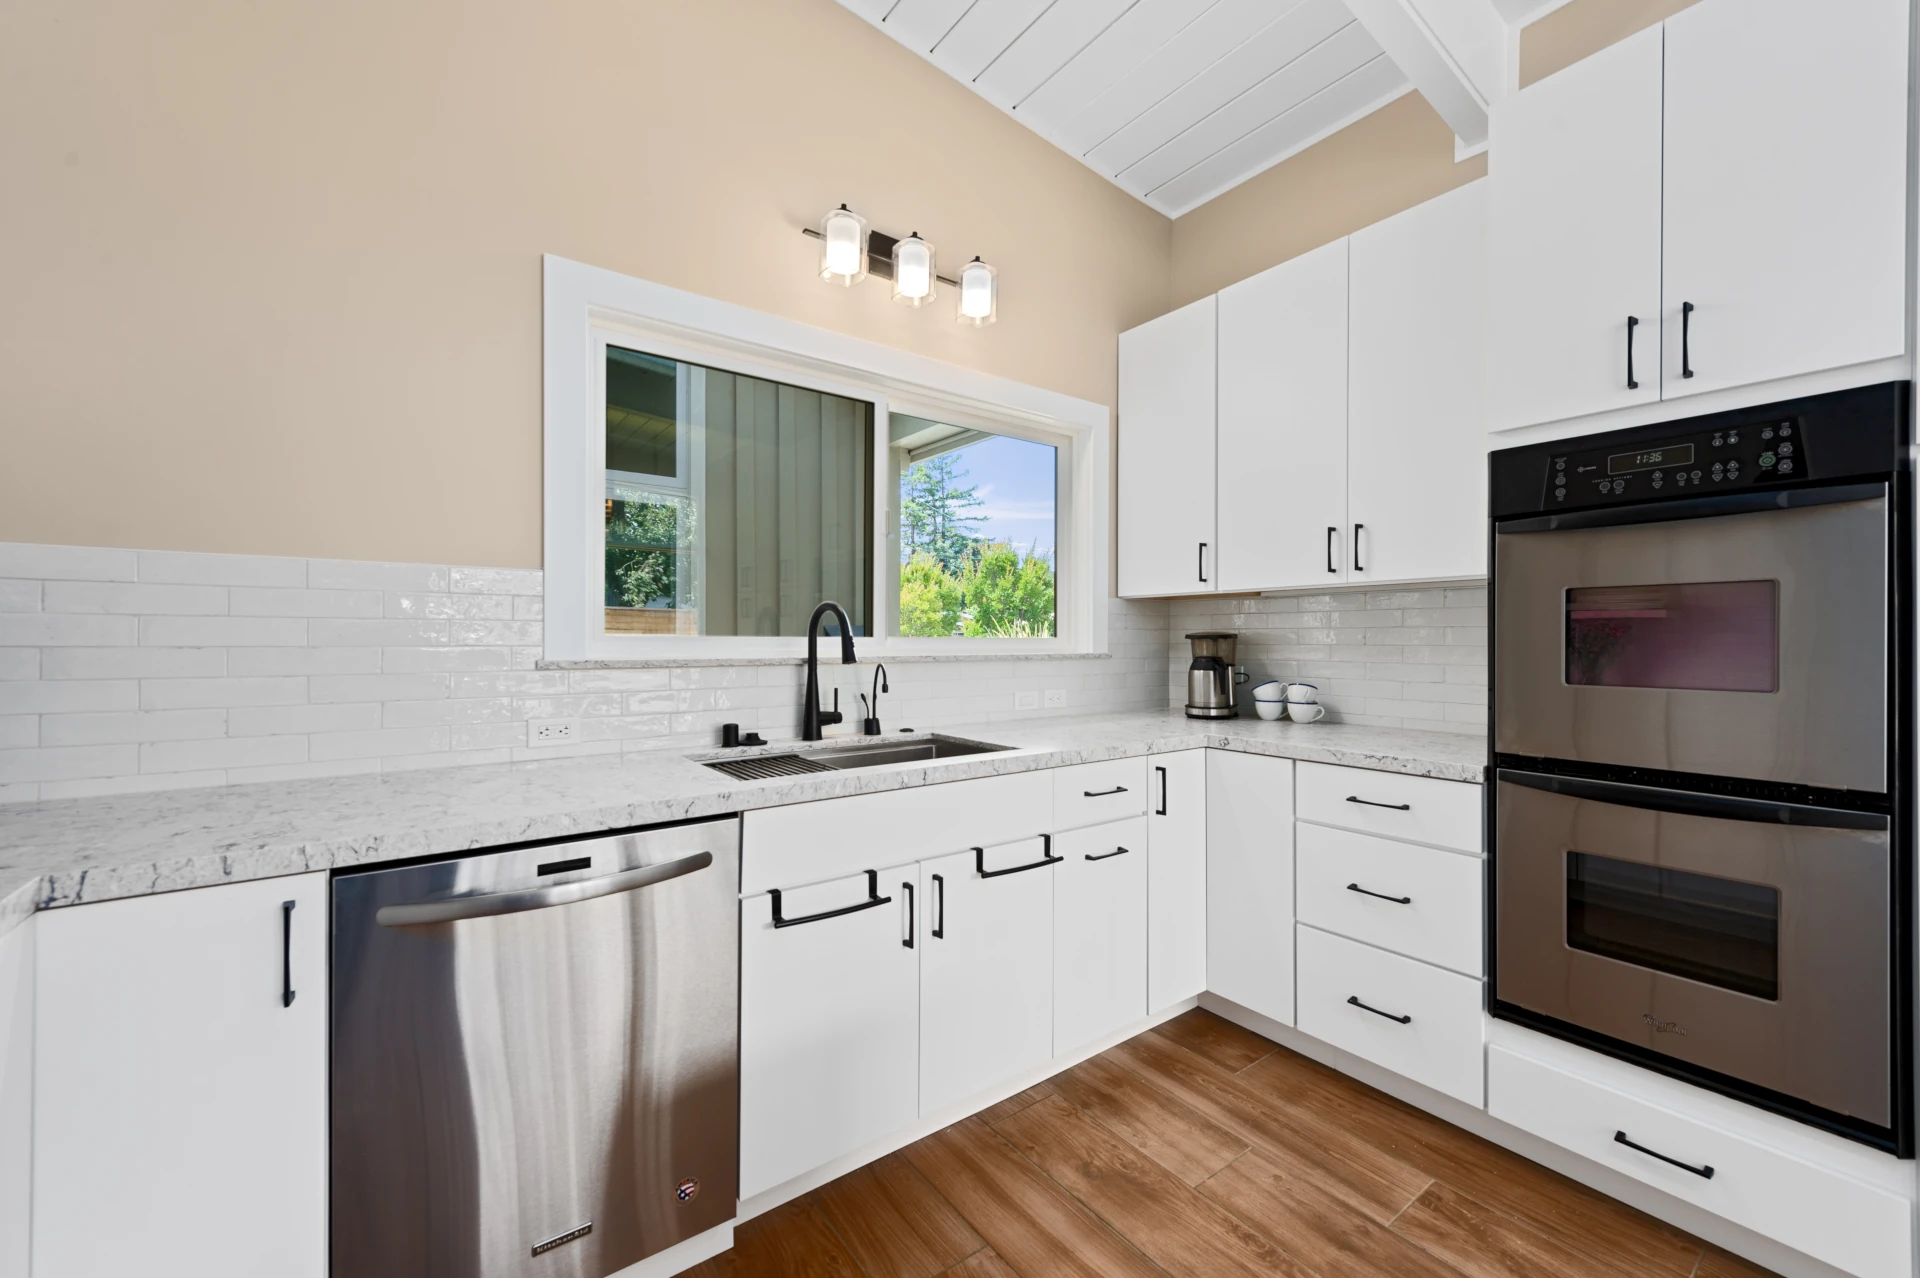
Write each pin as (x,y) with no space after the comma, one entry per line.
(1458,53)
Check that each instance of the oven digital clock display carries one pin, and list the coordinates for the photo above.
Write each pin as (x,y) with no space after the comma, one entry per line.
(1650,459)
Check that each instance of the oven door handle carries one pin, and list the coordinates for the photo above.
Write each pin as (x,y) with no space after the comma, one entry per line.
(1661,512)
(1688,803)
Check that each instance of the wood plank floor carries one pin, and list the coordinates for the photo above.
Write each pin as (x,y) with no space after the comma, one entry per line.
(1200,1149)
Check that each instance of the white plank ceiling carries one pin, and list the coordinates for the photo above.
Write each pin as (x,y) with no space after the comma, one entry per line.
(1174,101)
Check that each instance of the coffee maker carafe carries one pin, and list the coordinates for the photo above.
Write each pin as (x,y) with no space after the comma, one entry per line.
(1211,677)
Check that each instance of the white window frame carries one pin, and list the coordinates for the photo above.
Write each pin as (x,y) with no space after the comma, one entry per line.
(585,306)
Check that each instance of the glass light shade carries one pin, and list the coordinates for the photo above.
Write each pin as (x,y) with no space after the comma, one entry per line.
(979,293)
(912,271)
(843,247)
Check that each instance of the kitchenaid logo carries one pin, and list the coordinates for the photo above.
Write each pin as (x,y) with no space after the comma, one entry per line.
(1663,1027)
(578,1231)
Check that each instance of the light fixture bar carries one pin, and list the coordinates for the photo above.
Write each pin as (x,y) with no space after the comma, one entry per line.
(879,255)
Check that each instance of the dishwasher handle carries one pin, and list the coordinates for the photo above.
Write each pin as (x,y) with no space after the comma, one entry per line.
(451,909)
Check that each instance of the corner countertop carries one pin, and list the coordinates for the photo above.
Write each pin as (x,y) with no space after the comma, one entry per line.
(74,851)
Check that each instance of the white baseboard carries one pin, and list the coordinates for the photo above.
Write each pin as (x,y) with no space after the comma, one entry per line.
(1683,1215)
(767,1200)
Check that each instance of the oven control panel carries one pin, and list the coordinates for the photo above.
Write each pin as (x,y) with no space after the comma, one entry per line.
(1708,461)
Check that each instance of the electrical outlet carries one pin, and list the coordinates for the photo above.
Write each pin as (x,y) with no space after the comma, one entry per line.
(1056,697)
(1026,701)
(546,732)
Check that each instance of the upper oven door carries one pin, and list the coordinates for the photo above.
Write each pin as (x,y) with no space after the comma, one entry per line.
(1749,644)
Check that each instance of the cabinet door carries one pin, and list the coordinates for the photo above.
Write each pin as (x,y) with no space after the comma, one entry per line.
(1283,424)
(180,1102)
(1417,423)
(1167,542)
(1573,173)
(1786,189)
(1176,877)
(1250,882)
(986,970)
(829,1030)
(1099,932)
(16,1099)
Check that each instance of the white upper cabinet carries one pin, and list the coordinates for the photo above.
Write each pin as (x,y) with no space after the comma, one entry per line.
(1416,422)
(1574,236)
(1283,424)
(1786,189)
(1167,541)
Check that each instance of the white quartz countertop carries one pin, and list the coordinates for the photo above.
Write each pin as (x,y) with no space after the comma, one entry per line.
(68,852)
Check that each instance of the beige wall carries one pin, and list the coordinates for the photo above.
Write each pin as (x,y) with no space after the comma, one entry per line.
(1392,160)
(270,273)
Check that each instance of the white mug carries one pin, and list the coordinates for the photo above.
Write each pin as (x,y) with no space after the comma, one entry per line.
(1300,692)
(1305,711)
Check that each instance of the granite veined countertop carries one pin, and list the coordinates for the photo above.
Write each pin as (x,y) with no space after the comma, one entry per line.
(72,851)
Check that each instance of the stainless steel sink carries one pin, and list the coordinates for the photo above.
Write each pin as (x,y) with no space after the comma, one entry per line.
(868,754)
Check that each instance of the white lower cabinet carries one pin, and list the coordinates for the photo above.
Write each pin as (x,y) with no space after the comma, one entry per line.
(1099,932)
(1421,902)
(829,1023)
(1250,882)
(1176,877)
(16,1099)
(986,968)
(1860,1228)
(1411,1017)
(180,1098)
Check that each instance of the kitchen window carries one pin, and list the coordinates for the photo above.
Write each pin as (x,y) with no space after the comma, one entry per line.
(713,474)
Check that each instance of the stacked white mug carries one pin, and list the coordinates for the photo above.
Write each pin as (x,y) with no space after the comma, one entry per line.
(1302,702)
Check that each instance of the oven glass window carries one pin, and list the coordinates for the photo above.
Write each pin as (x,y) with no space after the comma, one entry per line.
(1721,636)
(1719,931)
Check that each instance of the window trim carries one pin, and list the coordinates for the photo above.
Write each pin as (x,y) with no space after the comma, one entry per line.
(584,304)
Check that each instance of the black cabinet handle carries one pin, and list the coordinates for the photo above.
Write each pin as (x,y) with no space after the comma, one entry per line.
(1046,858)
(1357,565)
(1355,1000)
(1330,532)
(908,889)
(873,898)
(1162,809)
(1397,807)
(1203,561)
(286,954)
(1633,322)
(1108,856)
(1703,1171)
(1397,900)
(939,908)
(1101,794)
(1686,339)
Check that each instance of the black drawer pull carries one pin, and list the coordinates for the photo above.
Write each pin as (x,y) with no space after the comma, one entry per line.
(939,928)
(1397,807)
(1108,856)
(1404,1020)
(286,954)
(1046,858)
(908,889)
(1703,1171)
(1397,900)
(873,898)
(1101,794)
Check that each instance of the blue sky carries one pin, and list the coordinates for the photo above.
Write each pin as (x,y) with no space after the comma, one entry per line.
(1016,481)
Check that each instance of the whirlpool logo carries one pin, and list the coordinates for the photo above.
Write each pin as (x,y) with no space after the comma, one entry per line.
(1663,1027)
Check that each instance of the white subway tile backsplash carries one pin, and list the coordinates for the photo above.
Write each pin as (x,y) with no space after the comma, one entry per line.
(64,762)
(39,696)
(621,680)
(349,633)
(486,607)
(377,743)
(222,632)
(133,598)
(423,714)
(380,687)
(273,721)
(187,567)
(496,632)
(133,663)
(221,752)
(19,596)
(49,630)
(301,771)
(256,601)
(18,731)
(353,574)
(131,726)
(497,581)
(91,787)
(519,683)
(66,563)
(177,694)
(19,663)
(413,660)
(247,662)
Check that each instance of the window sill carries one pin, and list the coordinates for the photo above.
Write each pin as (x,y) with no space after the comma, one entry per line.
(894,658)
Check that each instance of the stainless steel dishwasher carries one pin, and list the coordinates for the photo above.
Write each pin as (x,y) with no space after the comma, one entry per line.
(535,1056)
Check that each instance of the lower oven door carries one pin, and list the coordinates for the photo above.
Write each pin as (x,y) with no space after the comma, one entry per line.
(1746,938)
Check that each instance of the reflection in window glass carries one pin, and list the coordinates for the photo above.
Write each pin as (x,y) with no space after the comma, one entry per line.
(1716,635)
(733,504)
(977,532)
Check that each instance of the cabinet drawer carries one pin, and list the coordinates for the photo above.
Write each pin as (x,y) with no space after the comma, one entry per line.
(1421,809)
(1413,900)
(1857,1227)
(1090,793)
(808,842)
(1438,1041)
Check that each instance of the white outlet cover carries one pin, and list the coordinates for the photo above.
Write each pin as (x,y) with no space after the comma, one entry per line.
(547,732)
(1056,696)
(1026,701)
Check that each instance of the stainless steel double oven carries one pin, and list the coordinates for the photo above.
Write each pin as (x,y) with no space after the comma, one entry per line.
(1701,744)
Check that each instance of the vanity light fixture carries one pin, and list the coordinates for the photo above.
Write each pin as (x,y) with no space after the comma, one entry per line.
(843,247)
(912,271)
(979,294)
